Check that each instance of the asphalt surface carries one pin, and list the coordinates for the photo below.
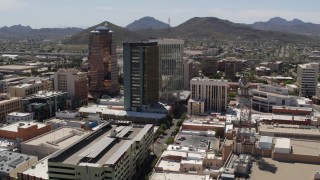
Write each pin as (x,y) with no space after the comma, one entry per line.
(158,147)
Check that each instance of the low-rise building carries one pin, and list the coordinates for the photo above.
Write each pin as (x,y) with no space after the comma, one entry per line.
(50,142)
(38,171)
(16,69)
(107,112)
(26,89)
(45,104)
(290,131)
(267,96)
(18,116)
(111,152)
(11,163)
(23,131)
(8,105)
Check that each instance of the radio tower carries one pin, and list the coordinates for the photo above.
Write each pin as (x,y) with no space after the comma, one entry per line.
(245,109)
(169,29)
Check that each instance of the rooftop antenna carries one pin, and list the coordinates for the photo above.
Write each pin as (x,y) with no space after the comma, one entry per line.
(169,29)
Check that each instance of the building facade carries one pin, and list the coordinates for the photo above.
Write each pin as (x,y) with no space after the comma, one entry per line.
(13,162)
(18,116)
(170,67)
(212,91)
(75,84)
(27,89)
(111,152)
(141,75)
(23,131)
(230,68)
(8,105)
(267,96)
(44,105)
(307,79)
(209,65)
(103,73)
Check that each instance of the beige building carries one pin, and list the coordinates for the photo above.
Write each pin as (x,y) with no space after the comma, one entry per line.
(307,79)
(48,143)
(26,89)
(8,104)
(111,152)
(196,107)
(212,91)
(75,84)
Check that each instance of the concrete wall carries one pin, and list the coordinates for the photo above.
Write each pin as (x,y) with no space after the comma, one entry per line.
(298,158)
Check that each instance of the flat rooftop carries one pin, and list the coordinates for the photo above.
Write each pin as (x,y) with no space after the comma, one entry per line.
(118,112)
(19,114)
(59,138)
(14,127)
(40,169)
(102,149)
(176,176)
(305,147)
(9,100)
(198,142)
(12,160)
(266,168)
(16,67)
(289,129)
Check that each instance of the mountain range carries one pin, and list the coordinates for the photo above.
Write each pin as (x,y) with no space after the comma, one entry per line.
(209,28)
(19,31)
(295,26)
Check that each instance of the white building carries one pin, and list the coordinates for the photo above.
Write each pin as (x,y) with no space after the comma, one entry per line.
(267,96)
(18,116)
(170,67)
(282,146)
(212,91)
(307,78)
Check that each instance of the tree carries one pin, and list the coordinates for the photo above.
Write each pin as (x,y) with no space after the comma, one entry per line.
(231,95)
(220,133)
(170,140)
(163,126)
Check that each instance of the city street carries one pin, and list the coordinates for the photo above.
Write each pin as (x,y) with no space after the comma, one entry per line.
(159,146)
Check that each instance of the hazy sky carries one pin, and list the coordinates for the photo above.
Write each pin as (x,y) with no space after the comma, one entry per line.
(58,13)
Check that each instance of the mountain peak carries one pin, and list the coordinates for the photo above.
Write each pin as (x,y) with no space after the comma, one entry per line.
(277,20)
(295,26)
(146,22)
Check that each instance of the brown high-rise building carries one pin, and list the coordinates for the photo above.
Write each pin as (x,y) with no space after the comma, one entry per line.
(103,74)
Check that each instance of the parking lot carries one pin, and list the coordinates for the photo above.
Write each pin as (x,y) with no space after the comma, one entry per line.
(198,142)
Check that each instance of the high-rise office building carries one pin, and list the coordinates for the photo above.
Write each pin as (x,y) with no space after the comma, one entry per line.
(230,68)
(212,91)
(307,78)
(103,74)
(74,83)
(141,75)
(209,65)
(170,67)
